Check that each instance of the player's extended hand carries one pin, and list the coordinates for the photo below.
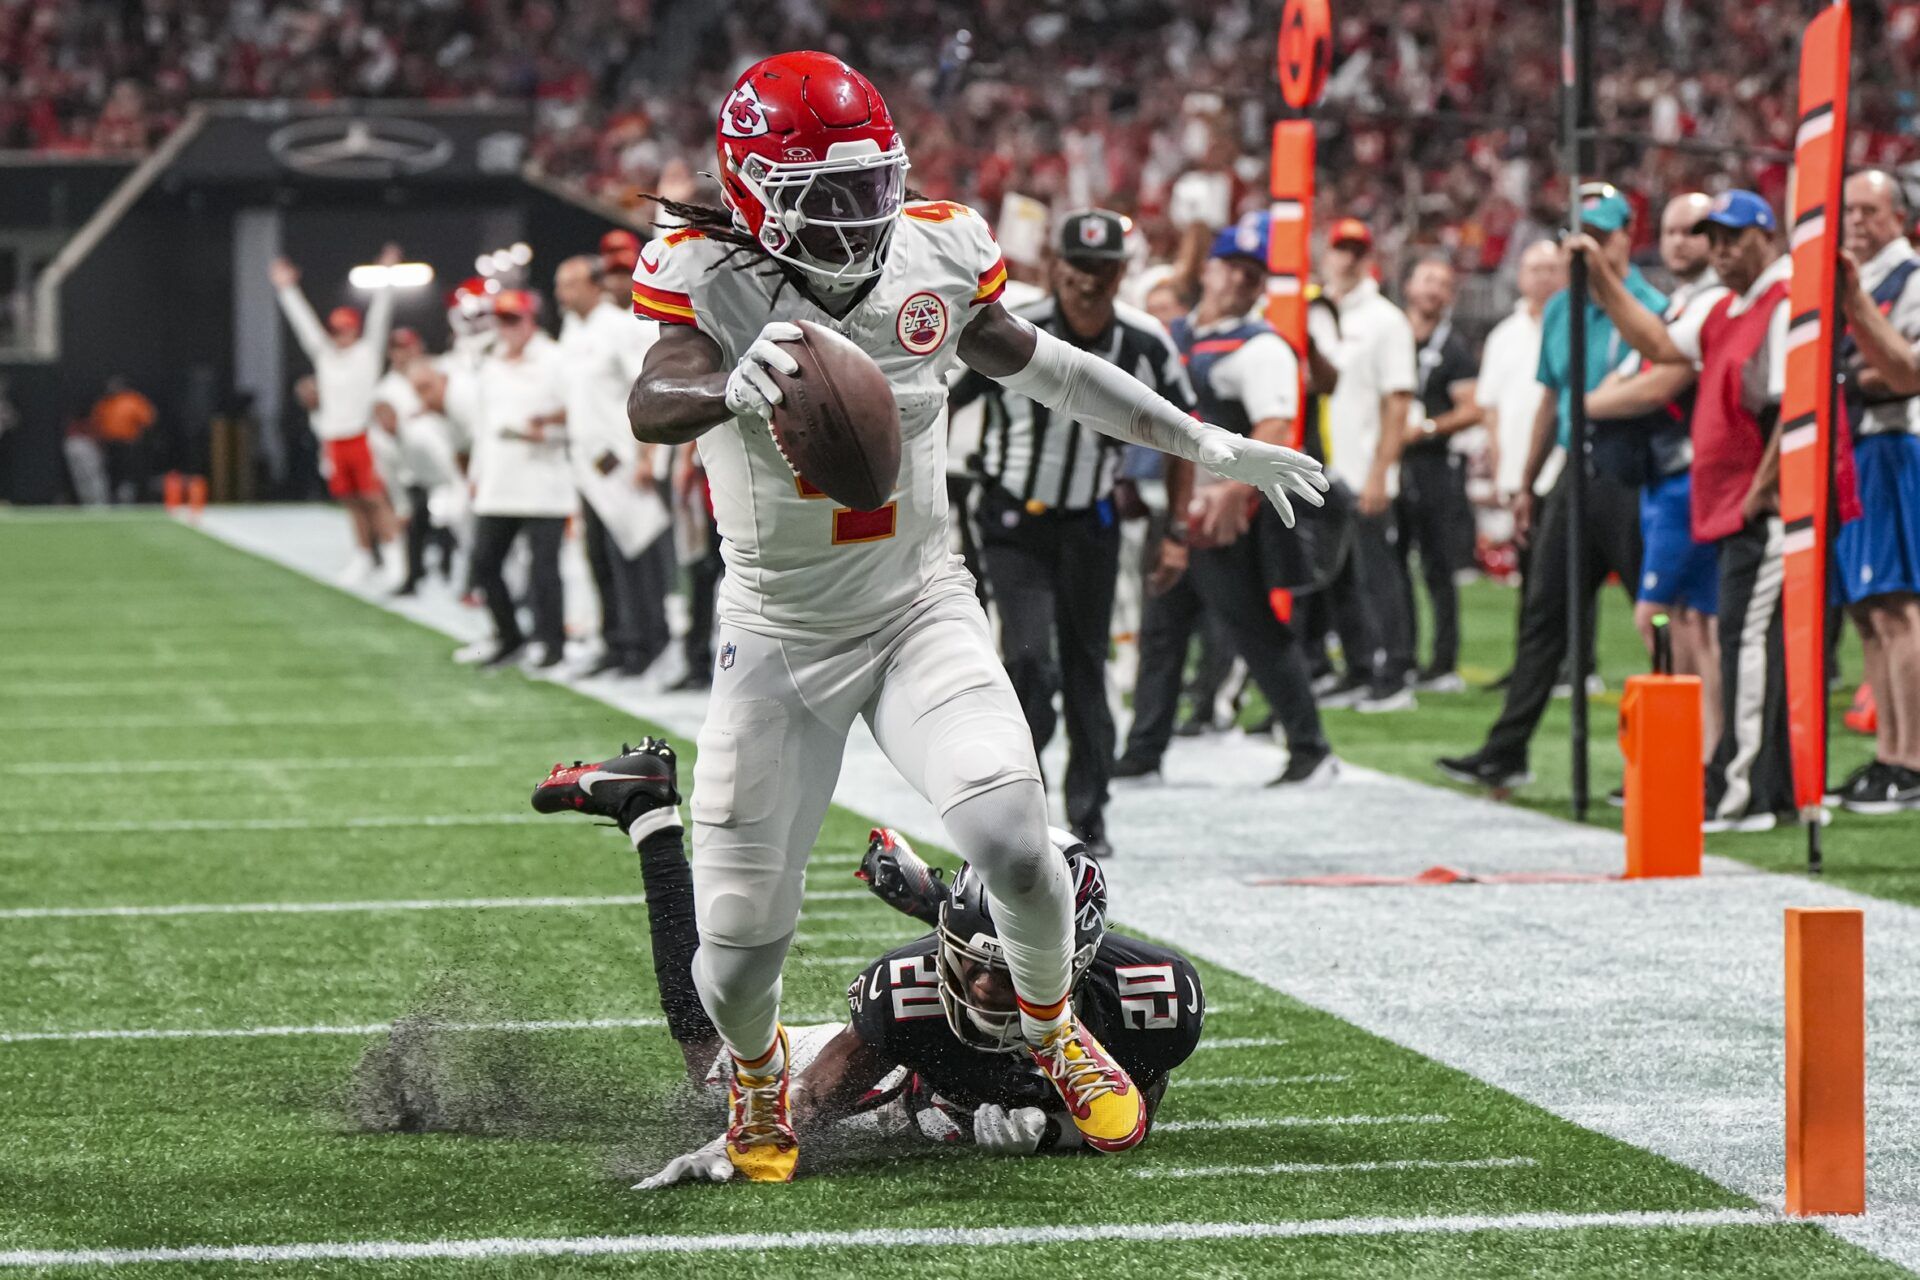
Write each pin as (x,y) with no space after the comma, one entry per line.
(1008,1133)
(1271,469)
(708,1164)
(751,390)
(283,273)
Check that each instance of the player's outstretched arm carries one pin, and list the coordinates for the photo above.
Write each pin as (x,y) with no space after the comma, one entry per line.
(686,388)
(1081,385)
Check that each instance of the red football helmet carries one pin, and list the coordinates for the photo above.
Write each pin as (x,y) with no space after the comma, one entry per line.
(810,165)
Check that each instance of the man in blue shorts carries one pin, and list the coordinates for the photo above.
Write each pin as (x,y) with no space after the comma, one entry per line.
(1879,554)
(1647,410)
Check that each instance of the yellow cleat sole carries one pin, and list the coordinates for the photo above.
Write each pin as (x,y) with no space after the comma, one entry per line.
(764,1164)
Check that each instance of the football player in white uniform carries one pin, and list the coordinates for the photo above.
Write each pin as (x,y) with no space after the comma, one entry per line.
(828,613)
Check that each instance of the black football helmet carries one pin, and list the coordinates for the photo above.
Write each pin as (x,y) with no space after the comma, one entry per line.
(967,934)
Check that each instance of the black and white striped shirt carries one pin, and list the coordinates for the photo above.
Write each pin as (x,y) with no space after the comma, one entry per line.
(1052,463)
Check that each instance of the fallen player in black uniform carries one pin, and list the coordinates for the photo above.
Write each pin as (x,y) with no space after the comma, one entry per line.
(934,1042)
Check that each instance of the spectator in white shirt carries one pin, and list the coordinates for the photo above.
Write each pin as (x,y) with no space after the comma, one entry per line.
(602,347)
(515,407)
(1366,426)
(414,448)
(347,356)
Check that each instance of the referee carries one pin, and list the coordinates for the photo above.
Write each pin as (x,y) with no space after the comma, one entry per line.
(1049,538)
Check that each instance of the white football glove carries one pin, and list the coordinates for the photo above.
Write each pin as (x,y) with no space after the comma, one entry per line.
(1009,1133)
(1269,468)
(751,391)
(708,1164)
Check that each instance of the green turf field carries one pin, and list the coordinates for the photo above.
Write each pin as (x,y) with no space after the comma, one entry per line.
(188,725)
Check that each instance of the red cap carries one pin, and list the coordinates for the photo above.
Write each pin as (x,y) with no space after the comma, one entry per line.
(344,318)
(619,250)
(515,302)
(1351,231)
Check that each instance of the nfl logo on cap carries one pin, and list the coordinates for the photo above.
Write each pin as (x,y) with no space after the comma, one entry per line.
(1093,233)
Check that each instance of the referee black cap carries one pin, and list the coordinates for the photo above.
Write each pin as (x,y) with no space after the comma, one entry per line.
(1093,235)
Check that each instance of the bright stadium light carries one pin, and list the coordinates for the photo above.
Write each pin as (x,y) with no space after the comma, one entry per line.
(401,275)
(502,261)
(484,264)
(521,254)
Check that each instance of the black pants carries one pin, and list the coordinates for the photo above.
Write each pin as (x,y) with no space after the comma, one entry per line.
(1167,623)
(1612,527)
(1052,577)
(1236,582)
(703,581)
(424,535)
(633,593)
(1367,601)
(1752,769)
(492,538)
(127,470)
(1436,521)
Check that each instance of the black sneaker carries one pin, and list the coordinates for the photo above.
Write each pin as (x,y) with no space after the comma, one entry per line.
(1309,769)
(504,655)
(1884,788)
(1478,770)
(1095,838)
(547,657)
(1435,680)
(1838,794)
(901,878)
(1193,727)
(1346,691)
(700,677)
(1617,797)
(1128,769)
(607,660)
(640,779)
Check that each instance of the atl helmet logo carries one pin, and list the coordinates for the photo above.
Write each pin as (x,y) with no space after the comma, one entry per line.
(922,325)
(744,115)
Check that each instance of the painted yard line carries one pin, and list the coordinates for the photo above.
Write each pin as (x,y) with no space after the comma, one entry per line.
(275,824)
(920,1238)
(1242,1042)
(834,962)
(1289,1122)
(306,908)
(355,1029)
(440,673)
(316,908)
(359,1029)
(1284,1169)
(441,716)
(1254,1082)
(40,768)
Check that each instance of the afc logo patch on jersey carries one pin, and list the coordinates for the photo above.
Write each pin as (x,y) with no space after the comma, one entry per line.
(922,323)
(743,115)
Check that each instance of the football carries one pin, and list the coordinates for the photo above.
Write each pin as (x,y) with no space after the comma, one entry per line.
(837,424)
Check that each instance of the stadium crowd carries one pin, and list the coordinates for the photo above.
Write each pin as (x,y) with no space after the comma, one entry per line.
(1002,98)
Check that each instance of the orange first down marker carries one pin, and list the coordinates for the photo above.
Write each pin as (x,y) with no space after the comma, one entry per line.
(1826,1062)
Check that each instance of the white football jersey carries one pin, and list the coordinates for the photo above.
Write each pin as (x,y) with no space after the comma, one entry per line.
(796,560)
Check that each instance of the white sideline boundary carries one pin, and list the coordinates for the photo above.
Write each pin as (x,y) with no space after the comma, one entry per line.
(1236,1123)
(1286,1169)
(923,1238)
(1650,1012)
(354,1029)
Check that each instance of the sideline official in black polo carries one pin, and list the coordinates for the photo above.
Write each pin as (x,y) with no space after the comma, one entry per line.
(1049,534)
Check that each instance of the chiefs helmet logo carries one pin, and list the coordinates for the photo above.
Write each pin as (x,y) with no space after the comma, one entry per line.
(743,116)
(922,325)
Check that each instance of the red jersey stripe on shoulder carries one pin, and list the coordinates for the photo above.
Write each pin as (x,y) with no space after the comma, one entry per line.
(650,308)
(993,283)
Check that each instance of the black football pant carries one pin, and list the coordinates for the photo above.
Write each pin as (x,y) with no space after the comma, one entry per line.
(423,535)
(703,584)
(1752,768)
(1052,577)
(1366,601)
(1436,521)
(1612,524)
(492,538)
(633,592)
(1235,583)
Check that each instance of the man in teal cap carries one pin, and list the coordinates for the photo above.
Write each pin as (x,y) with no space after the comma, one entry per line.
(1610,519)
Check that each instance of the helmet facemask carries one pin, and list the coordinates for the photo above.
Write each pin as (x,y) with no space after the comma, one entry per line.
(830,218)
(990,1030)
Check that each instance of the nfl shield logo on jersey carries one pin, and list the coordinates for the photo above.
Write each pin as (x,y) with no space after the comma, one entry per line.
(727,652)
(922,325)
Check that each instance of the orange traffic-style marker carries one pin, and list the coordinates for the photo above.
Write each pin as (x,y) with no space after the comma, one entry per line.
(1826,1061)
(1665,783)
(174,491)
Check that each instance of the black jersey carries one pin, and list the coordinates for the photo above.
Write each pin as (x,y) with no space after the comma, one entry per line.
(1142,1002)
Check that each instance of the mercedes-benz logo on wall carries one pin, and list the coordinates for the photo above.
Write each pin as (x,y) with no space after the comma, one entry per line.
(367,147)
